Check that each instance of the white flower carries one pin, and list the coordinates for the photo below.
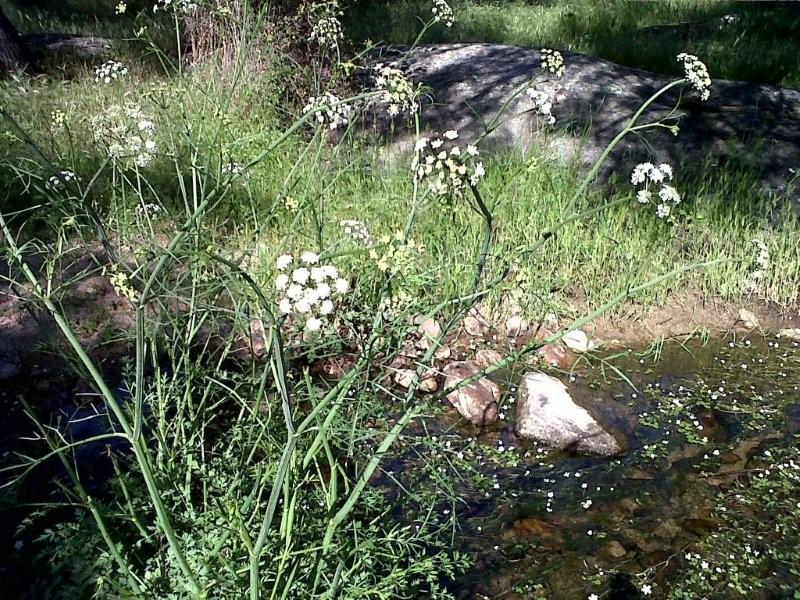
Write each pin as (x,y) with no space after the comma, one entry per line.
(442,12)
(330,110)
(669,194)
(300,275)
(450,135)
(593,597)
(55,182)
(396,90)
(357,230)
(542,103)
(326,307)
(310,258)
(313,324)
(302,306)
(640,173)
(644,196)
(285,306)
(281,281)
(552,61)
(448,170)
(109,71)
(283,261)
(323,290)
(696,74)
(342,286)
(647,590)
(294,292)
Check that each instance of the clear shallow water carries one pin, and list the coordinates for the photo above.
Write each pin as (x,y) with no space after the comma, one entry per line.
(694,415)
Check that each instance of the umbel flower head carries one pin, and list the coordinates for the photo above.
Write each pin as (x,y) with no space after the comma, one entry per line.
(443,13)
(109,71)
(357,230)
(645,177)
(180,6)
(696,74)
(55,183)
(309,289)
(448,169)
(330,110)
(552,61)
(397,91)
(542,103)
(326,28)
(127,134)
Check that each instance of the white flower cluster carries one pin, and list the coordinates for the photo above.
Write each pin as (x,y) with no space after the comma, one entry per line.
(149,210)
(396,254)
(397,91)
(236,171)
(449,172)
(542,103)
(357,230)
(330,110)
(442,12)
(127,133)
(647,174)
(552,61)
(181,6)
(55,182)
(109,71)
(308,290)
(58,120)
(326,28)
(696,74)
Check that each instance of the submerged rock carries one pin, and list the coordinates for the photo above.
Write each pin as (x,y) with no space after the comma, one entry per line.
(547,413)
(748,319)
(478,402)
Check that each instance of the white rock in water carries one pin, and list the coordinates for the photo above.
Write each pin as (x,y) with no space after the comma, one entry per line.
(546,413)
(578,341)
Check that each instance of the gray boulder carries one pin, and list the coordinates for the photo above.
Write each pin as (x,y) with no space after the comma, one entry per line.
(744,124)
(547,413)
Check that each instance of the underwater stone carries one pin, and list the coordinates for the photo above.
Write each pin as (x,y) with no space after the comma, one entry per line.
(548,414)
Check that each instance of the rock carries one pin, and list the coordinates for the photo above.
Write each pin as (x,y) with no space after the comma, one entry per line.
(556,355)
(515,326)
(613,550)
(667,530)
(578,341)
(428,383)
(470,83)
(748,318)
(430,331)
(474,326)
(405,378)
(478,402)
(547,413)
(546,534)
(486,358)
(790,334)
(9,366)
(442,352)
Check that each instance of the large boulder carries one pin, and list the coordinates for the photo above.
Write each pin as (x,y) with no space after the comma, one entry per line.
(746,124)
(547,413)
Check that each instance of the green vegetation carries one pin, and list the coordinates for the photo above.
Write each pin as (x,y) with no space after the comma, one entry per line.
(181,190)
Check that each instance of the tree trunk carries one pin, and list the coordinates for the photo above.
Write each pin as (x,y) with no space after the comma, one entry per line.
(12,51)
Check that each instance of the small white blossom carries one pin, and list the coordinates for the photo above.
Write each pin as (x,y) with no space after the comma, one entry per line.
(447,169)
(542,104)
(284,261)
(55,182)
(397,91)
(330,110)
(552,61)
(442,12)
(309,258)
(110,71)
(357,230)
(326,26)
(646,175)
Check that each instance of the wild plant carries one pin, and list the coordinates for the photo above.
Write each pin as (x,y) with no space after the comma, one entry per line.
(237,472)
